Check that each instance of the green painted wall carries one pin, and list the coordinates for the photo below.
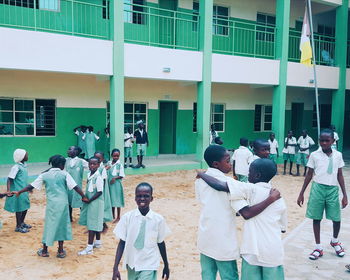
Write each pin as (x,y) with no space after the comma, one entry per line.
(186,139)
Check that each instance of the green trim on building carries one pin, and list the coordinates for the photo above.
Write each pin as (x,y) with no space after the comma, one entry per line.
(338,97)
(280,91)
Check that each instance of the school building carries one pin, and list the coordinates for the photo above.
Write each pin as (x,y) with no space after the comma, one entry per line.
(179,65)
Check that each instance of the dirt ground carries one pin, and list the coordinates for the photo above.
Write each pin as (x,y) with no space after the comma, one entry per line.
(174,198)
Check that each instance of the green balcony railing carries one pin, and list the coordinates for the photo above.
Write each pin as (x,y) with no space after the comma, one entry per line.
(160,27)
(71,17)
(244,39)
(324,48)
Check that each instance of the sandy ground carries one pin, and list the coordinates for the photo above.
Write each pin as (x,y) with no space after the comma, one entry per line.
(173,198)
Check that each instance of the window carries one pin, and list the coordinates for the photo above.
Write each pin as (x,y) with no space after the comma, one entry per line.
(263,118)
(325,30)
(265,29)
(220,20)
(217,117)
(105,9)
(27,117)
(195,16)
(134,112)
(134,11)
(325,115)
(49,5)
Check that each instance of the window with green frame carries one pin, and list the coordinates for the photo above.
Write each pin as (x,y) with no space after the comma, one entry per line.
(263,118)
(134,11)
(27,117)
(217,117)
(48,5)
(265,29)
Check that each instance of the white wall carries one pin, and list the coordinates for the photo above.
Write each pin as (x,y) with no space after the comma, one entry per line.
(244,70)
(300,75)
(148,62)
(42,51)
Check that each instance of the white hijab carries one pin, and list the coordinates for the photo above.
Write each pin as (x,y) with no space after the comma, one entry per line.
(19,155)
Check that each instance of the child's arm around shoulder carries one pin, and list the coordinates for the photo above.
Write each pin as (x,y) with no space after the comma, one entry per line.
(213,182)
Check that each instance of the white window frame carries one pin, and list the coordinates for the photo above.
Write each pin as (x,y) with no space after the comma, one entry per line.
(262,118)
(212,114)
(216,18)
(133,114)
(42,2)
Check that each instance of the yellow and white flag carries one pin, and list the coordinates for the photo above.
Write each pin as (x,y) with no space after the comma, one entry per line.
(305,45)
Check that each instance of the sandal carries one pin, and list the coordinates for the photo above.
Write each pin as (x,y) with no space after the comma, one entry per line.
(347,267)
(61,255)
(340,252)
(316,254)
(42,254)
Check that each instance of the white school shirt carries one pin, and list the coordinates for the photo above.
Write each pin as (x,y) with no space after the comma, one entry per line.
(319,161)
(128,143)
(273,146)
(289,149)
(261,238)
(98,184)
(14,170)
(242,156)
(87,131)
(305,143)
(104,171)
(212,136)
(217,237)
(115,170)
(156,231)
(253,158)
(38,182)
(74,160)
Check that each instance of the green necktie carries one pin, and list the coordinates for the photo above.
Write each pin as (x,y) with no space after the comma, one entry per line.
(140,239)
(330,165)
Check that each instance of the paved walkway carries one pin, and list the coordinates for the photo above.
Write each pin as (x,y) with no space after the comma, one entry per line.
(300,243)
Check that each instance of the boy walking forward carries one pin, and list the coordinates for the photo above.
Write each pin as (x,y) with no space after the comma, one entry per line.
(325,168)
(240,160)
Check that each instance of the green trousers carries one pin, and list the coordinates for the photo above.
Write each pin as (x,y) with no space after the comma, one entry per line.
(141,275)
(255,272)
(210,267)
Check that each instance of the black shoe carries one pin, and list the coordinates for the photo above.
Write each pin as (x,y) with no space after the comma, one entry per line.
(26,226)
(143,166)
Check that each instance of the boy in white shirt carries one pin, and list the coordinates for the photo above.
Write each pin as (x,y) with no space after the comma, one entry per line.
(336,137)
(290,142)
(261,249)
(273,148)
(240,161)
(128,143)
(217,240)
(141,233)
(261,149)
(325,168)
(304,144)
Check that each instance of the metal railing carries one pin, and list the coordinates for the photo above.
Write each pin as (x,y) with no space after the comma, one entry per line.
(160,27)
(71,17)
(244,39)
(324,48)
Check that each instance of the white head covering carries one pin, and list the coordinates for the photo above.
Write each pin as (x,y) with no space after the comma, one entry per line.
(18,155)
(139,122)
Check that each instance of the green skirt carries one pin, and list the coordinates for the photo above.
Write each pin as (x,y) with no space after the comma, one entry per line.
(92,213)
(117,194)
(108,216)
(17,204)
(74,199)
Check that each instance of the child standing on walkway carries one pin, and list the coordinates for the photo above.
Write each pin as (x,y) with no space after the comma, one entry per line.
(57,225)
(75,167)
(115,175)
(273,148)
(92,212)
(106,193)
(128,143)
(142,233)
(261,249)
(80,132)
(17,180)
(288,151)
(240,161)
(325,168)
(142,143)
(261,149)
(90,139)
(304,144)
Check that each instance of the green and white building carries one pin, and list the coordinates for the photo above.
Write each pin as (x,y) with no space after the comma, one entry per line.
(178,65)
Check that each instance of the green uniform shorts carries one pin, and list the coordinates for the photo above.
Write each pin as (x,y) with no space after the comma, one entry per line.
(141,149)
(301,159)
(210,267)
(255,272)
(323,198)
(242,178)
(141,275)
(127,152)
(273,157)
(289,157)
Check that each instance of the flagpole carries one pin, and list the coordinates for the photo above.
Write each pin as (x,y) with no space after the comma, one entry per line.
(309,12)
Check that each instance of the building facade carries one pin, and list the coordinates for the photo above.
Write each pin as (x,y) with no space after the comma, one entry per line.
(177,65)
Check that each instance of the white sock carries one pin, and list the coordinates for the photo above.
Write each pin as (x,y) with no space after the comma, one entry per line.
(89,247)
(319,247)
(98,242)
(335,240)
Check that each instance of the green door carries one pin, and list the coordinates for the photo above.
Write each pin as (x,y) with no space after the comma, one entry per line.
(297,118)
(167,127)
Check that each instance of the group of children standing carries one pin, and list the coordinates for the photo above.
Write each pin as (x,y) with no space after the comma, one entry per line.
(86,140)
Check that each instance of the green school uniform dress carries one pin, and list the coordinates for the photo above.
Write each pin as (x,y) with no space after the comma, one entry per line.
(57,225)
(116,189)
(90,141)
(19,175)
(75,167)
(92,213)
(81,142)
(108,216)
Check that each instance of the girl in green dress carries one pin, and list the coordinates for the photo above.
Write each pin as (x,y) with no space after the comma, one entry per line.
(106,194)
(92,212)
(90,139)
(17,180)
(75,167)
(115,175)
(57,226)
